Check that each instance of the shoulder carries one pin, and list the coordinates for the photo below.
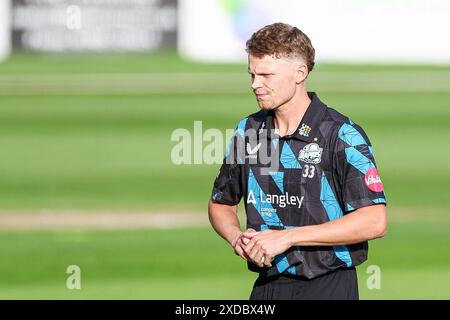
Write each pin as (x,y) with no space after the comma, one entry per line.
(343,130)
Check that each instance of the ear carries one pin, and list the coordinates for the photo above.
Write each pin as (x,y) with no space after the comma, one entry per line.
(301,73)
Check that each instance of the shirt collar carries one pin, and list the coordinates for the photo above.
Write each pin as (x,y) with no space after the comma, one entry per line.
(308,127)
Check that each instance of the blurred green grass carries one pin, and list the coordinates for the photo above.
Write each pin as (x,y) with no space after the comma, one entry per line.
(196,264)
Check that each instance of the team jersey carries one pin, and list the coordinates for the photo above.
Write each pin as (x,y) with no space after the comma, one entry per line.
(323,171)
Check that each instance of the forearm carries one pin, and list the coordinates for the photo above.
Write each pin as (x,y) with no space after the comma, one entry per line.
(224,220)
(355,227)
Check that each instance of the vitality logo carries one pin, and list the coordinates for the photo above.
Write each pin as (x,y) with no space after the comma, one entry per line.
(373,181)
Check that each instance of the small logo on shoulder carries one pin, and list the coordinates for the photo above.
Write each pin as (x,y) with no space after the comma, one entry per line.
(311,153)
(304,130)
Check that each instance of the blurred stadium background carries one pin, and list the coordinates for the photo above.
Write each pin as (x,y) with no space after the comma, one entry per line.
(90,92)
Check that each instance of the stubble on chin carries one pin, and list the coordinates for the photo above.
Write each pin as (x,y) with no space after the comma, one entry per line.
(266,105)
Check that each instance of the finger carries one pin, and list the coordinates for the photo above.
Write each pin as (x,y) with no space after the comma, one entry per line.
(242,243)
(255,261)
(241,253)
(235,240)
(244,256)
(253,238)
(255,255)
(249,235)
(268,261)
(249,246)
(250,232)
(260,260)
(241,247)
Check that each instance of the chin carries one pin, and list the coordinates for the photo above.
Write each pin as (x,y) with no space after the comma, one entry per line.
(266,106)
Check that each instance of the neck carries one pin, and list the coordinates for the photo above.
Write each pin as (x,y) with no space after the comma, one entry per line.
(289,115)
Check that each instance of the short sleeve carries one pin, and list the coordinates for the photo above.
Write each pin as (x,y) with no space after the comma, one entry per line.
(356,172)
(228,187)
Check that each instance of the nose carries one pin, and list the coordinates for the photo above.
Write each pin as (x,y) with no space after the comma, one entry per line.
(256,83)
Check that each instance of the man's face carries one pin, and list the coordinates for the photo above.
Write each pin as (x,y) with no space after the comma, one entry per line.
(273,80)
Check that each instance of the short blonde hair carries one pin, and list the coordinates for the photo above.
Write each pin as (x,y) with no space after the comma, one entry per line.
(281,40)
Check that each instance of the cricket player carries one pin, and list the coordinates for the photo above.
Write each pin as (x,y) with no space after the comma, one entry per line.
(313,207)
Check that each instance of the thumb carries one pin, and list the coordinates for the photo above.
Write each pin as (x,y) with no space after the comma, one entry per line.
(250,233)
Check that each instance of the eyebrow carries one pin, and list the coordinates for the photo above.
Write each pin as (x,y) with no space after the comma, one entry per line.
(261,73)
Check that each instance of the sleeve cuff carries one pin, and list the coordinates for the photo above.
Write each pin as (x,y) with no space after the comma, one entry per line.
(361,203)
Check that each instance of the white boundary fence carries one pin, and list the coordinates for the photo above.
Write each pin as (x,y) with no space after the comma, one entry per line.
(348,31)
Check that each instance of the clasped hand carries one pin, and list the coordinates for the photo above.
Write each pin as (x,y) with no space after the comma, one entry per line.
(261,247)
